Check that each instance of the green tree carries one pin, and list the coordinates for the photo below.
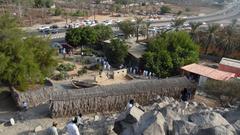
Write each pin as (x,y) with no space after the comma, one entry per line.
(116,52)
(103,32)
(167,53)
(127,27)
(160,63)
(24,61)
(43,54)
(165,9)
(88,35)
(73,37)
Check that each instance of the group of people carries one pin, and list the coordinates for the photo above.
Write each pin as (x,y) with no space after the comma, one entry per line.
(72,127)
(185,97)
(105,64)
(144,73)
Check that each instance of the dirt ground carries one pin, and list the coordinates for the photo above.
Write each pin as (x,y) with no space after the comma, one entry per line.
(209,102)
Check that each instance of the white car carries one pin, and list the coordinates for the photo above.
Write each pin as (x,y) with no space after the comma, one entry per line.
(107,22)
(204,23)
(186,25)
(43,28)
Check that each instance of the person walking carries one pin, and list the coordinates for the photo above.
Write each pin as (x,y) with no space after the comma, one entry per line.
(52,130)
(130,104)
(72,128)
(79,120)
(25,106)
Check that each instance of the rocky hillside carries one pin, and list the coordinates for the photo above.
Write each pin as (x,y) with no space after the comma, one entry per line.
(168,118)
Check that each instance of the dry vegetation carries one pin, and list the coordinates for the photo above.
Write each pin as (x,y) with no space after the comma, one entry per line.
(226,91)
(73,10)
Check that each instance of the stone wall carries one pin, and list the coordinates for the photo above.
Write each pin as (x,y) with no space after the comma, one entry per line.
(114,97)
(119,73)
(33,97)
(101,78)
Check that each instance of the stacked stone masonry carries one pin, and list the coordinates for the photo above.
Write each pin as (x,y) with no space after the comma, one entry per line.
(114,97)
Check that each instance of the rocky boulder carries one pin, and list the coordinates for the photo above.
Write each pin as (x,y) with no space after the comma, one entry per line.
(232,116)
(207,119)
(182,127)
(217,130)
(136,122)
(152,123)
(236,125)
(166,118)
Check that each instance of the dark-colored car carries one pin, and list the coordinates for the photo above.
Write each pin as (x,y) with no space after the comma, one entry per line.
(54,27)
(51,31)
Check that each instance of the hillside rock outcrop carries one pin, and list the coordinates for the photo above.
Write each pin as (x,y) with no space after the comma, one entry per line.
(167,117)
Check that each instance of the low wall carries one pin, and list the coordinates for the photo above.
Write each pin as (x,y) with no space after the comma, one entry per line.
(119,73)
(101,78)
(34,97)
(114,97)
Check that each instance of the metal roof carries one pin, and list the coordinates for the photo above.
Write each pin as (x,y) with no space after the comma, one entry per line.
(208,72)
(230,62)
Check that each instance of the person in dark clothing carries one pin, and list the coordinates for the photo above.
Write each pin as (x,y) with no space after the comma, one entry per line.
(79,120)
(185,97)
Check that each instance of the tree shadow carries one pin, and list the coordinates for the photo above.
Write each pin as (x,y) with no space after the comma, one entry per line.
(42,132)
(7,106)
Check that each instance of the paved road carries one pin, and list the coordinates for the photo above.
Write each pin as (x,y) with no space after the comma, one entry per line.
(231,11)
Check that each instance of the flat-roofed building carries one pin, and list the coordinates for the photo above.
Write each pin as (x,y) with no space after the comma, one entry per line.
(200,73)
(230,65)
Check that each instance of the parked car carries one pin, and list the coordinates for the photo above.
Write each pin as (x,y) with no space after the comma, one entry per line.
(51,31)
(54,27)
(42,28)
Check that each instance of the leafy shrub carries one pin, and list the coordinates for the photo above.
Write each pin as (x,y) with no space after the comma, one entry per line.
(79,13)
(87,52)
(61,76)
(82,71)
(66,67)
(165,9)
(57,12)
(86,61)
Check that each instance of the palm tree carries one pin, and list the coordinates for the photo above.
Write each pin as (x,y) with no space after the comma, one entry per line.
(177,23)
(138,22)
(228,40)
(212,29)
(65,15)
(194,26)
(97,2)
(147,27)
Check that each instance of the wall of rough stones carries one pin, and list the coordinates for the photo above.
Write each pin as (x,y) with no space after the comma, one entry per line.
(100,78)
(119,73)
(33,97)
(114,97)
